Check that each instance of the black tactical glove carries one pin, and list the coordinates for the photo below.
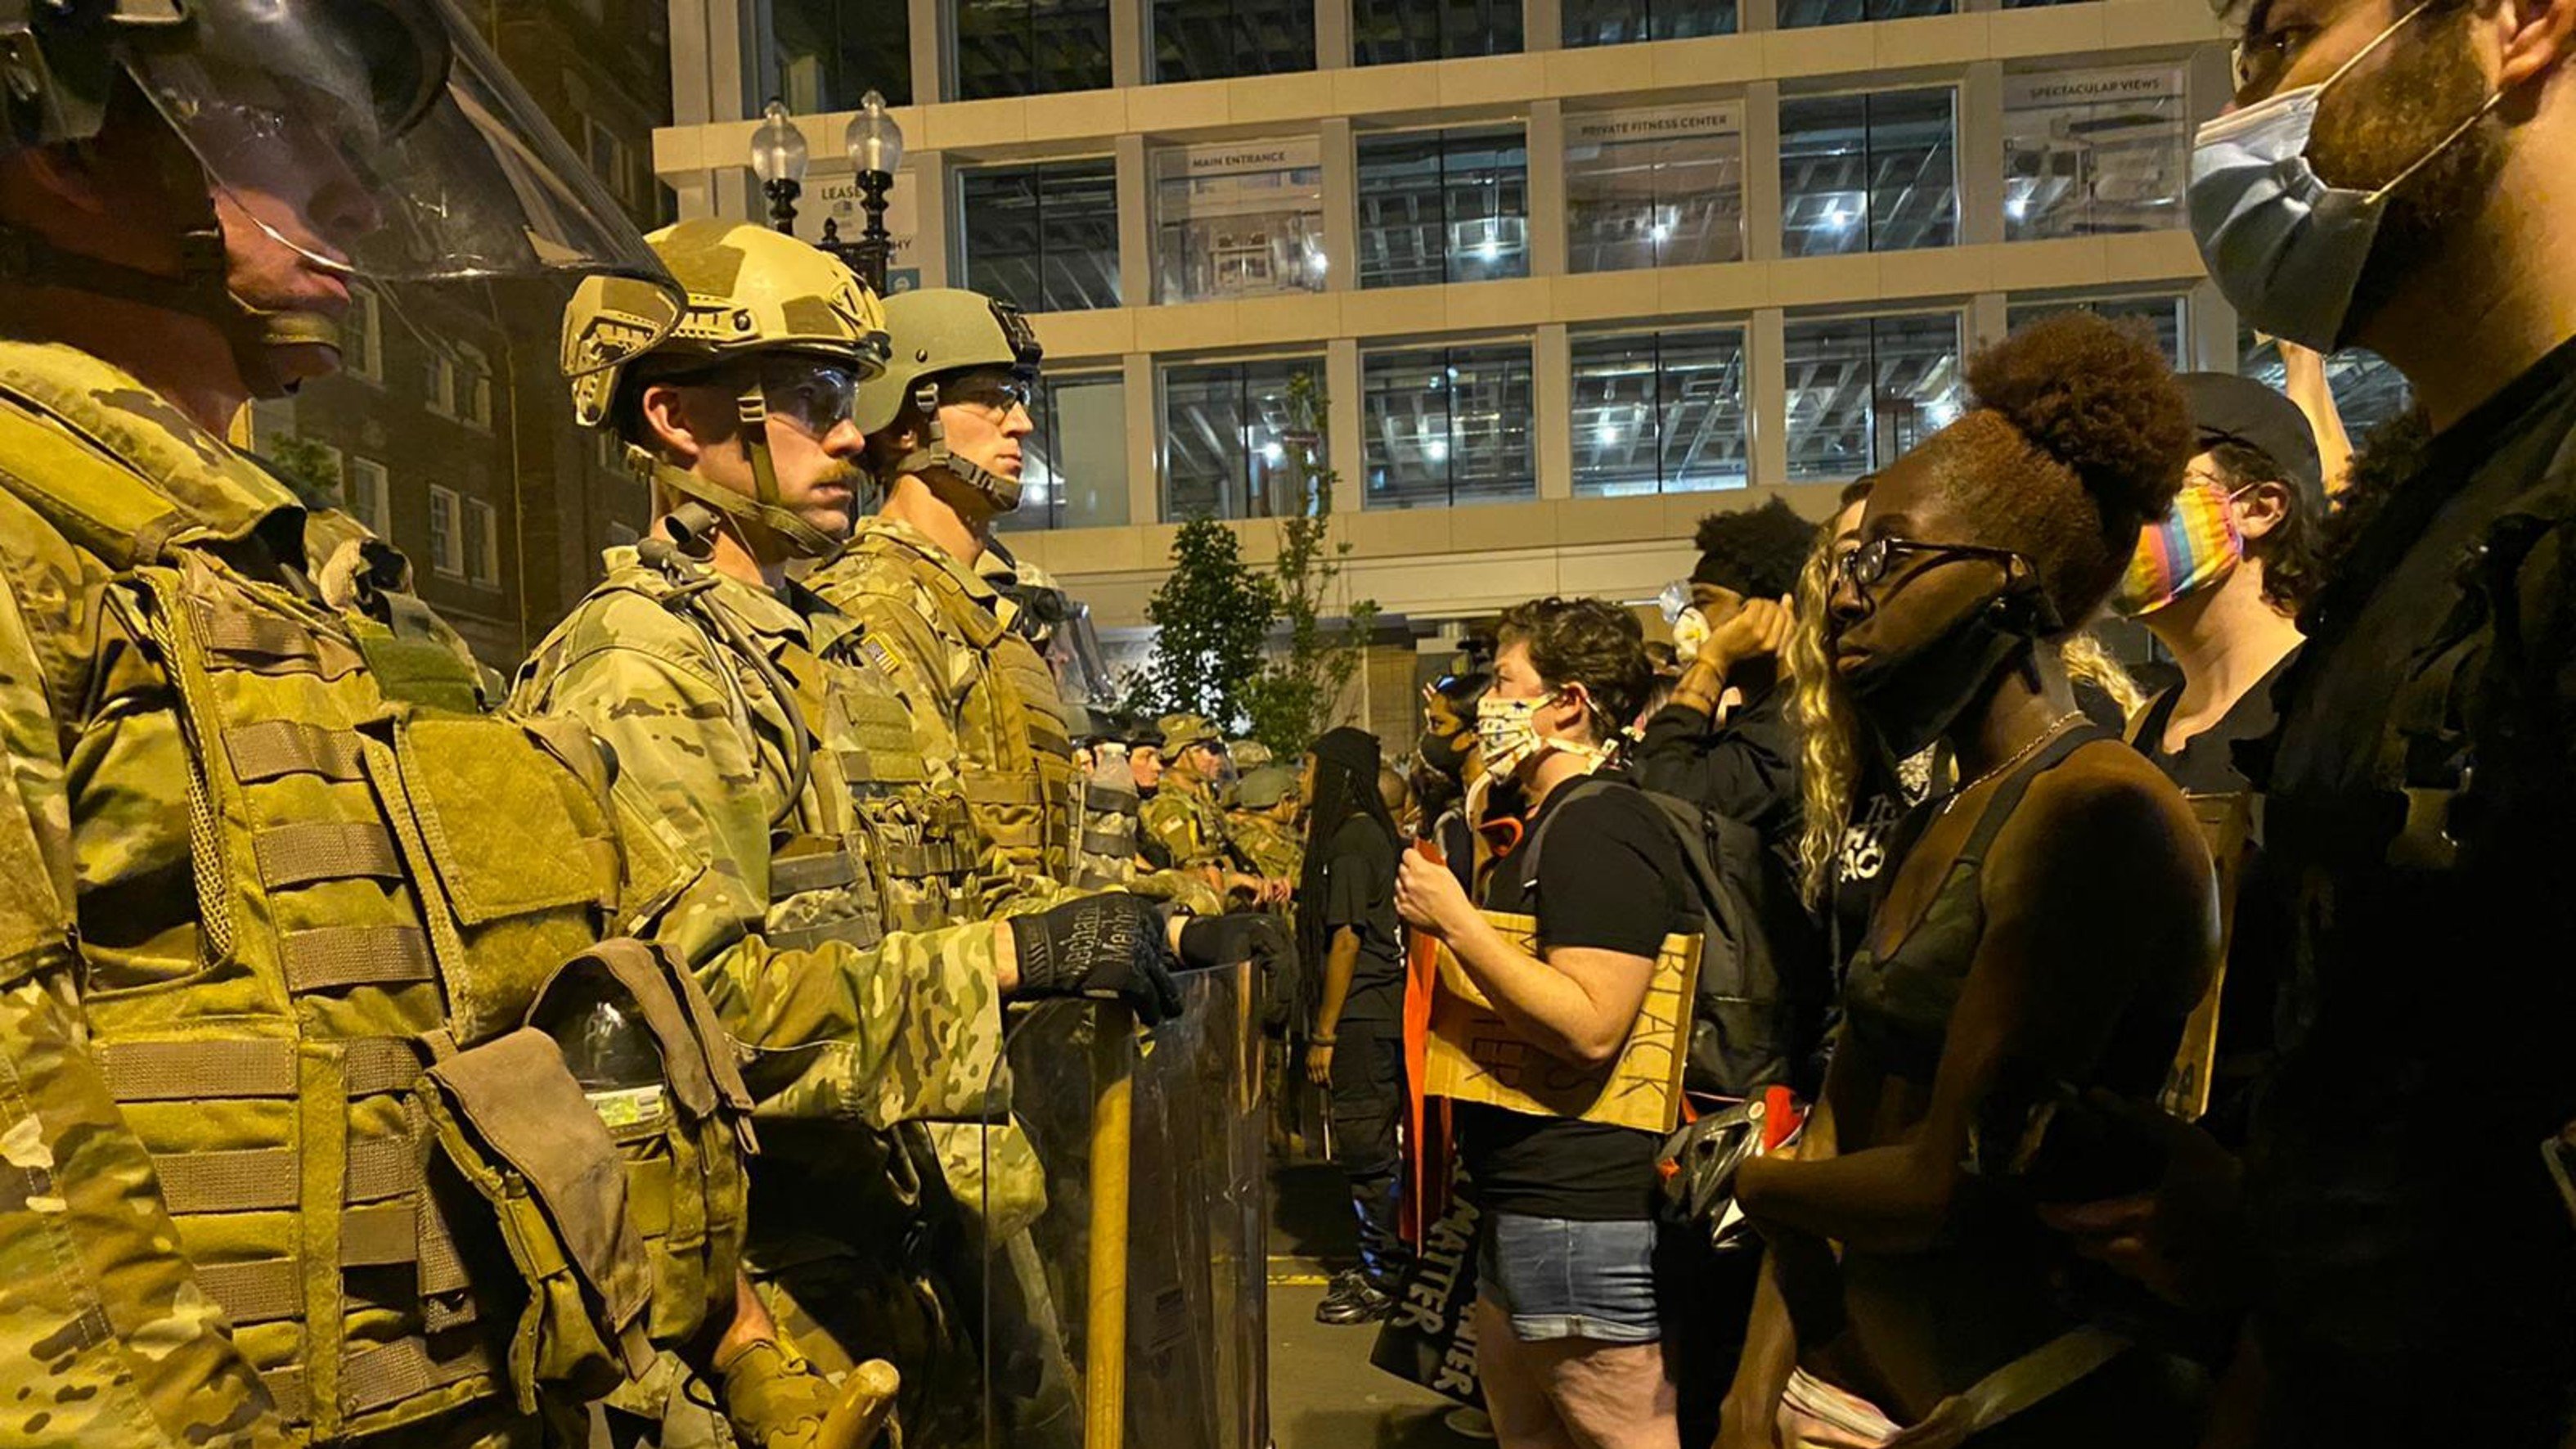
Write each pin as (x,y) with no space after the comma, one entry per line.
(1208,941)
(1108,947)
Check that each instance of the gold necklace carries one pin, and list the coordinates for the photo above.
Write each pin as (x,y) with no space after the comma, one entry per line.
(2017,756)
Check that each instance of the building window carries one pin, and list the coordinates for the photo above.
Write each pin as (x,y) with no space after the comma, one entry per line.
(1392,32)
(1659,413)
(1044,236)
(1870,173)
(371,497)
(1238,221)
(1227,431)
(2097,151)
(1617,22)
(832,52)
(2367,391)
(482,544)
(1074,473)
(1864,390)
(1660,188)
(2162,316)
(362,338)
(1443,206)
(1798,14)
(610,160)
(1009,48)
(1219,39)
(446,532)
(460,386)
(1448,425)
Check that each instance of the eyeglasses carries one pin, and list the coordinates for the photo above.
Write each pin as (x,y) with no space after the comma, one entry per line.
(996,395)
(1867,565)
(816,396)
(2261,58)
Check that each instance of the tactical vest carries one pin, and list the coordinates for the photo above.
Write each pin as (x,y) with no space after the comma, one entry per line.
(384,878)
(1028,807)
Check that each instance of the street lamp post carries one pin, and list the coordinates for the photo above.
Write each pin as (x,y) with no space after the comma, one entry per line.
(778,159)
(875,144)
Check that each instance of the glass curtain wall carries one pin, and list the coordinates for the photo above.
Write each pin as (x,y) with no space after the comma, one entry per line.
(1074,468)
(1869,173)
(1443,206)
(2091,152)
(2162,315)
(1044,236)
(1863,390)
(1225,438)
(1448,426)
(1238,220)
(1659,188)
(1617,22)
(1220,39)
(832,52)
(1029,47)
(1392,32)
(1659,413)
(1799,14)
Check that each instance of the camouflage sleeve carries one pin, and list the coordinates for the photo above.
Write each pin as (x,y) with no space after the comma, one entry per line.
(1175,826)
(105,1336)
(906,1029)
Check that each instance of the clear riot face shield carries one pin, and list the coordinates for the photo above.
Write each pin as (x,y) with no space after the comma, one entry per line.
(1130,1309)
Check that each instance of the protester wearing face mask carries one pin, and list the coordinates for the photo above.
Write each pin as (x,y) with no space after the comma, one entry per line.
(2400,179)
(1569,1330)
(2045,933)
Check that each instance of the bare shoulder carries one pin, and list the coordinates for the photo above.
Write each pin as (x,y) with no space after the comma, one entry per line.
(2106,812)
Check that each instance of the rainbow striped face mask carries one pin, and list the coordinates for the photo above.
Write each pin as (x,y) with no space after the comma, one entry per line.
(2192,549)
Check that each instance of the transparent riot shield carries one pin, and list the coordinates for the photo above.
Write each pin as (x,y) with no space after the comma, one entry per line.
(1131,1311)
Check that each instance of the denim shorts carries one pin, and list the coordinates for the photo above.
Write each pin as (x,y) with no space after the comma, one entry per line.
(1559,1278)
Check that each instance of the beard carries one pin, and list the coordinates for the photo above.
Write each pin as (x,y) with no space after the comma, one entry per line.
(2417,98)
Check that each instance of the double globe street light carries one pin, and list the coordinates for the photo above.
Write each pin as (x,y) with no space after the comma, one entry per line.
(875,147)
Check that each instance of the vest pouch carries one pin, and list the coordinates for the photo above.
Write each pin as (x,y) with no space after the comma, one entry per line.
(512,1121)
(511,851)
(683,1138)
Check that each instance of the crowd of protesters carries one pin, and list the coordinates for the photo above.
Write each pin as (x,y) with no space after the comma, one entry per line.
(1871,1016)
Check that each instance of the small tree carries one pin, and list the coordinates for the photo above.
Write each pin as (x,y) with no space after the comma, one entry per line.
(1210,616)
(1293,698)
(306,467)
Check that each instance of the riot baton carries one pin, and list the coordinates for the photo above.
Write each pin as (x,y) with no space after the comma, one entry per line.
(1104,1375)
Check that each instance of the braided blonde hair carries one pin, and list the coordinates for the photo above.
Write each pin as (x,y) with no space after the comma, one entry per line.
(1828,748)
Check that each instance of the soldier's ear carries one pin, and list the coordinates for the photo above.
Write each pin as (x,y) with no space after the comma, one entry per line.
(672,426)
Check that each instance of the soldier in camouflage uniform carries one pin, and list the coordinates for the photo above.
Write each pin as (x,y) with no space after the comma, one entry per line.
(836,926)
(932,588)
(1263,823)
(276,980)
(1186,823)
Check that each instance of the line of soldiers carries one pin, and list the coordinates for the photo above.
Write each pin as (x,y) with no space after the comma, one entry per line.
(385,1061)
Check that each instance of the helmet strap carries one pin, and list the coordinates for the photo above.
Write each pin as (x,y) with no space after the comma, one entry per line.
(762,509)
(933,454)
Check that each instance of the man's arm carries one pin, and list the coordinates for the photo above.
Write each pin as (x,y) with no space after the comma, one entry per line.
(104,1330)
(906,1028)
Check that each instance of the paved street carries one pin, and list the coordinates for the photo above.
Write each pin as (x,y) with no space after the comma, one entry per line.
(1323,1393)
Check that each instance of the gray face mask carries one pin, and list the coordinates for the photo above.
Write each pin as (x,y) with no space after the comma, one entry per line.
(2286,248)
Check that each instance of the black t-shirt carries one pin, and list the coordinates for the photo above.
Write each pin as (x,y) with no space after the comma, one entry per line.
(2206,763)
(1359,893)
(2416,1268)
(1610,877)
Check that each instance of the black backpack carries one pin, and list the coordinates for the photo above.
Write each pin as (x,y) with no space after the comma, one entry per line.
(1760,1003)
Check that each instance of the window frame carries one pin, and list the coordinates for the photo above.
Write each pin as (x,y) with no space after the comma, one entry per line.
(446,532)
(1658,410)
(1252,58)
(483,571)
(1036,172)
(1025,80)
(1448,139)
(365,362)
(1453,445)
(1047,418)
(372,508)
(1298,154)
(1715,111)
(1868,222)
(1242,486)
(1872,428)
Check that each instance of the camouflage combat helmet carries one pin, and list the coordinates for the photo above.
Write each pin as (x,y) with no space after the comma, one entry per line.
(938,333)
(753,292)
(1263,788)
(1181,731)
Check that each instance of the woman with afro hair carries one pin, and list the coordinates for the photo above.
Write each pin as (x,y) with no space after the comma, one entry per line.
(2040,942)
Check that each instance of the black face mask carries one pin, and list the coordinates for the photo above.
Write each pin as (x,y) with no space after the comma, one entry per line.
(1910,699)
(1441,753)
